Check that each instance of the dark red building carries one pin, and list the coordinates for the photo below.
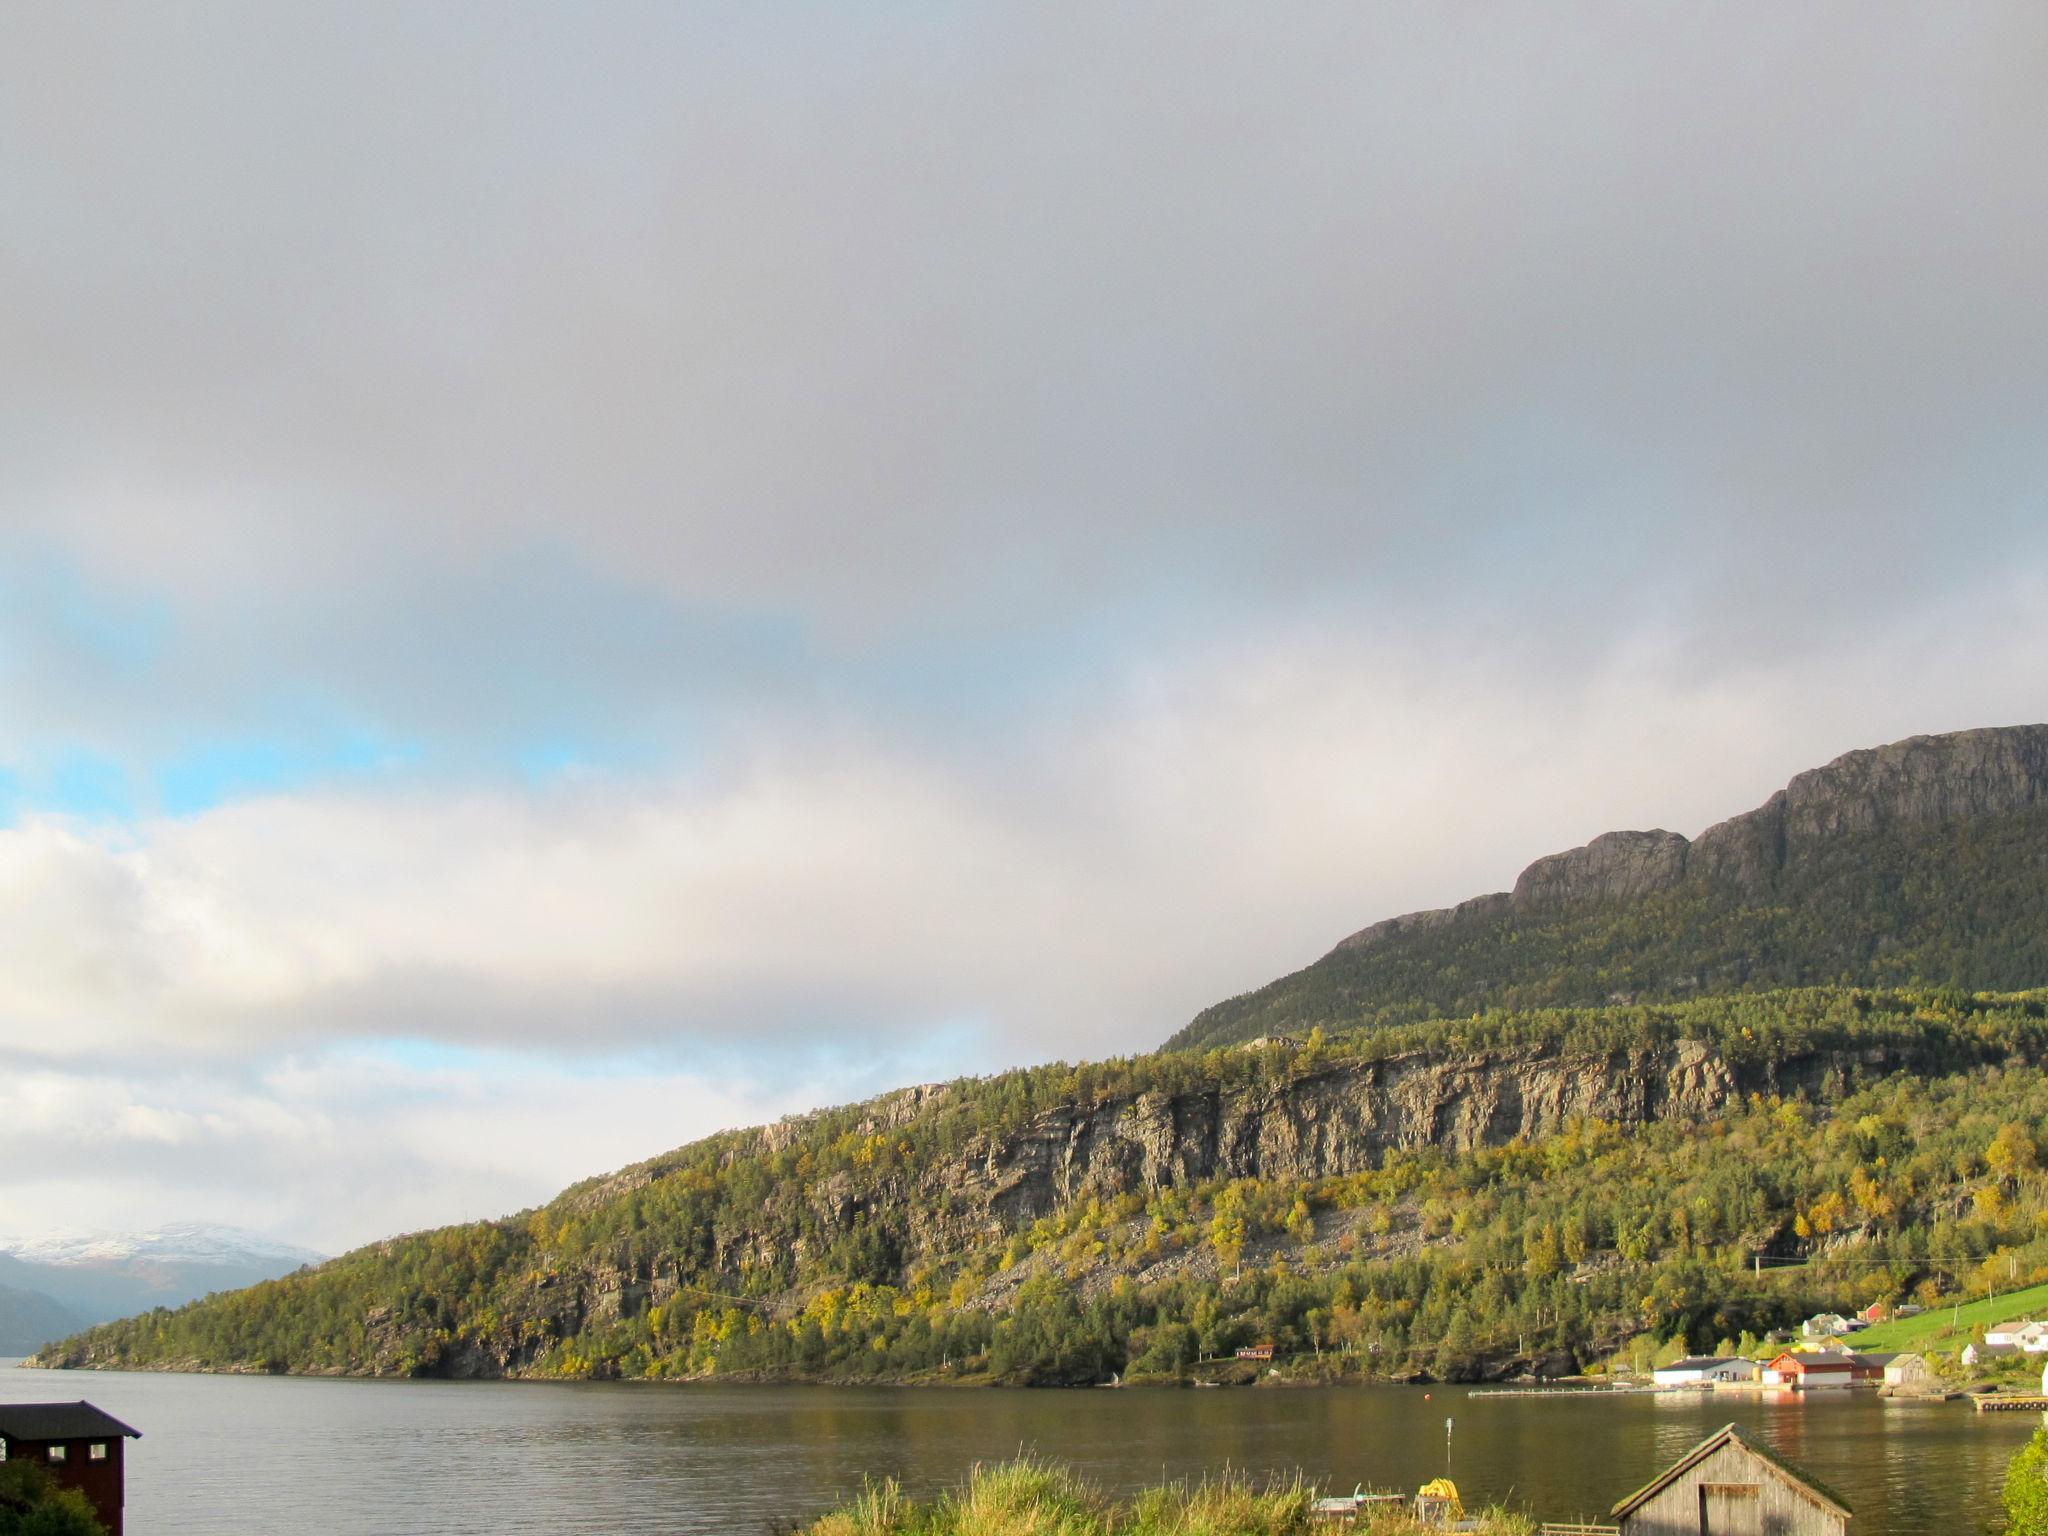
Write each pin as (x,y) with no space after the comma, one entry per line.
(80,1445)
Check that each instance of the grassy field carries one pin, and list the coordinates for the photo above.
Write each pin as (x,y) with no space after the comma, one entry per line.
(1950,1328)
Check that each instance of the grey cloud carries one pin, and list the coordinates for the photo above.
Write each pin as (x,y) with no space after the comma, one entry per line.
(881,317)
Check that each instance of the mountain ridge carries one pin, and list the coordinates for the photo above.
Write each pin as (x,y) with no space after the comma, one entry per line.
(1572,1118)
(1918,780)
(95,1276)
(1917,791)
(1445,1189)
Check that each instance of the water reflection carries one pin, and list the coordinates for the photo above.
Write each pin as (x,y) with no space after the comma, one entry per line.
(233,1455)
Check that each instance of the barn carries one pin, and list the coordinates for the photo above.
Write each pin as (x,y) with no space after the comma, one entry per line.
(1728,1485)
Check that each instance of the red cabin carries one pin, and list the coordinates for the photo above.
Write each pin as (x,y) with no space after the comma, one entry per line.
(1256,1352)
(77,1443)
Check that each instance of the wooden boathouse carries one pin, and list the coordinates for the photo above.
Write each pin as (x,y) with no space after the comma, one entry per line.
(77,1444)
(1728,1485)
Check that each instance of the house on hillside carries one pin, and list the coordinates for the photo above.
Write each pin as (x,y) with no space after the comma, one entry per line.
(1255,1352)
(1977,1354)
(1826,1325)
(1703,1371)
(2023,1334)
(1876,1312)
(1804,1372)
(1728,1485)
(78,1445)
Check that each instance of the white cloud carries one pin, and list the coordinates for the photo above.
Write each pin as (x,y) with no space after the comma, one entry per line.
(1080,889)
(335,1148)
(1323,466)
(617,967)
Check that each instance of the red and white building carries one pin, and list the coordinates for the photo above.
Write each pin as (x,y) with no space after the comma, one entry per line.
(1810,1372)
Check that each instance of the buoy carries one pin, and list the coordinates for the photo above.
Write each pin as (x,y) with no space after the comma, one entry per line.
(1425,1397)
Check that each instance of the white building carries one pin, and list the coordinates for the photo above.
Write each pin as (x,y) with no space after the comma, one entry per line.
(1826,1325)
(1910,1373)
(1703,1370)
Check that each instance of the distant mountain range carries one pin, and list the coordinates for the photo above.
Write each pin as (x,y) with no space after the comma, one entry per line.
(1921,862)
(54,1283)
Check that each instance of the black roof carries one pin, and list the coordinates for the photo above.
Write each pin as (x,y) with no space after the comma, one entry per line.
(60,1421)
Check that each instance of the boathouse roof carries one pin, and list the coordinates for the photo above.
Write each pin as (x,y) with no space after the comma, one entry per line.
(61,1421)
(1728,1434)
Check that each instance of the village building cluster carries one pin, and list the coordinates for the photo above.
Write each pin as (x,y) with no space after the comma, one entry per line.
(1824,1357)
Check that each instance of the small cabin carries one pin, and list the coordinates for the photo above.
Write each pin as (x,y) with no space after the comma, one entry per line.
(1728,1485)
(79,1445)
(1910,1373)
(1256,1352)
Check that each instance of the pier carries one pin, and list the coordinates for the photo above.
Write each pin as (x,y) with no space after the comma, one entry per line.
(2000,1402)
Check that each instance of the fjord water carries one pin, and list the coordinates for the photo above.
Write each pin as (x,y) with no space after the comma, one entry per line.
(228,1455)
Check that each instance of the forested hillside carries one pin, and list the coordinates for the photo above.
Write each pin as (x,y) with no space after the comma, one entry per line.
(1920,863)
(1447,1197)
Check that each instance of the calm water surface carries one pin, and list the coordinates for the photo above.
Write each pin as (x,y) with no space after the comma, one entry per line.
(227,1455)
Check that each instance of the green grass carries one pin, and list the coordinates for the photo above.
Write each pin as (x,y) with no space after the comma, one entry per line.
(1035,1498)
(1948,1327)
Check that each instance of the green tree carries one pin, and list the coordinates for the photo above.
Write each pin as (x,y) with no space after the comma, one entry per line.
(2026,1488)
(31,1504)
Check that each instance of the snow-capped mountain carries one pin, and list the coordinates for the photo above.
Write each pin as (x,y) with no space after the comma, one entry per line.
(96,1276)
(179,1242)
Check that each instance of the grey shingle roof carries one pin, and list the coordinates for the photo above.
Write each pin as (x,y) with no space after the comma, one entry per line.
(60,1421)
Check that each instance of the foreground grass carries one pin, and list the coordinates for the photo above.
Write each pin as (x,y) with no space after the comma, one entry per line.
(1033,1498)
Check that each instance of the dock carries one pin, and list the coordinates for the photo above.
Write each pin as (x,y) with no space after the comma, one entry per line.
(2002,1402)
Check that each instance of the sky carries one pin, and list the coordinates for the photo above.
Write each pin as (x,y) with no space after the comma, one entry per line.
(573,576)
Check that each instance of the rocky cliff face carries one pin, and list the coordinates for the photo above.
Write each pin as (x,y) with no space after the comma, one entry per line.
(1922,781)
(1311,1122)
(1346,1117)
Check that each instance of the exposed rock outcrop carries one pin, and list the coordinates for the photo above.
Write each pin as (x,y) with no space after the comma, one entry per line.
(1922,781)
